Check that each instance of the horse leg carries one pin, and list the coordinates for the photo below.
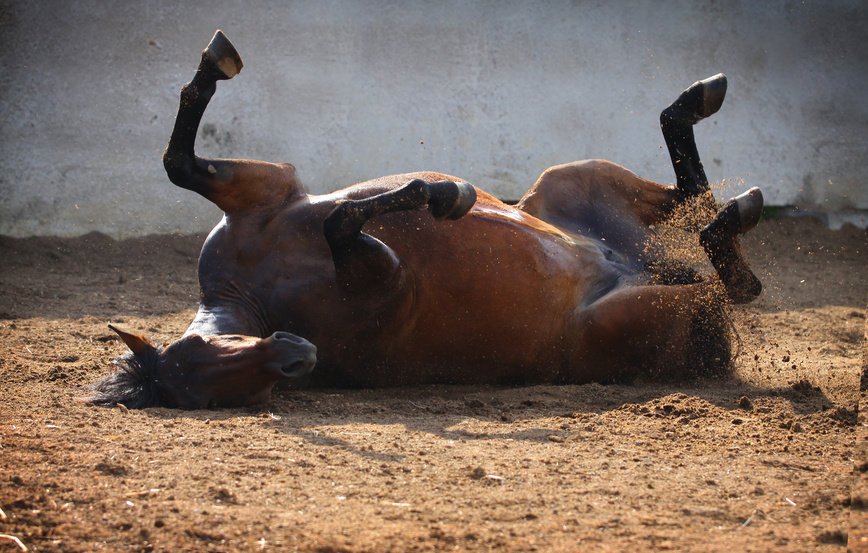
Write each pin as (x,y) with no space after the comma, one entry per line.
(575,192)
(661,328)
(220,61)
(604,201)
(700,100)
(720,241)
(607,202)
(361,261)
(719,238)
(231,184)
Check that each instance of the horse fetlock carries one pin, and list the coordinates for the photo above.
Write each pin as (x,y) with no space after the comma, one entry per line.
(723,228)
(414,192)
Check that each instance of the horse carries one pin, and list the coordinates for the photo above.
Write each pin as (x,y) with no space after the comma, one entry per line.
(423,278)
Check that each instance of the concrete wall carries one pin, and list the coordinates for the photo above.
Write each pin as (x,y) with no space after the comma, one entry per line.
(492,91)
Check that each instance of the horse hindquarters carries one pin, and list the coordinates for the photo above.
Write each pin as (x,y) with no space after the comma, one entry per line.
(606,201)
(680,329)
(657,331)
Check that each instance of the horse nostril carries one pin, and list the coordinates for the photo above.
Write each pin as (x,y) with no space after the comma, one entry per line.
(293,355)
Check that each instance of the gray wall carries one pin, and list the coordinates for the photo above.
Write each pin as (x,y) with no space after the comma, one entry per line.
(492,91)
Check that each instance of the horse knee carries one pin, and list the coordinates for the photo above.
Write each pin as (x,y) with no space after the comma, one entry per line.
(179,167)
(342,225)
(363,264)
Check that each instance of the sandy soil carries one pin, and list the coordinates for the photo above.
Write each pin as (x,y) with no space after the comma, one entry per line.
(764,461)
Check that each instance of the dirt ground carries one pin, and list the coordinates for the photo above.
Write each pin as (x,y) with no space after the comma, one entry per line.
(763,461)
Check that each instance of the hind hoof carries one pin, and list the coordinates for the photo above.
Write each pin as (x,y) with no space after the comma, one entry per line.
(750,209)
(720,241)
(740,215)
(223,56)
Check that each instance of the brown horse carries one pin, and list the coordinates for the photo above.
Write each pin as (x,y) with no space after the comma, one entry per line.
(422,278)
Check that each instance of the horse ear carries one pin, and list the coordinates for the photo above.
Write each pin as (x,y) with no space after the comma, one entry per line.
(137,344)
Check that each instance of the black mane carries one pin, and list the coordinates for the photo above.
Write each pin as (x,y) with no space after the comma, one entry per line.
(133,385)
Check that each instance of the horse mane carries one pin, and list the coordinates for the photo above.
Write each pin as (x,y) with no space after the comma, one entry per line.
(132,385)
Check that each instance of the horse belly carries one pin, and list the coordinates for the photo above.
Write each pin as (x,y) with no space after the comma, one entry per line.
(494,301)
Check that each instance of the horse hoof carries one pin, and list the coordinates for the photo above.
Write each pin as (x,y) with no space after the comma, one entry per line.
(719,239)
(455,203)
(713,93)
(466,199)
(222,54)
(750,209)
(738,216)
(702,99)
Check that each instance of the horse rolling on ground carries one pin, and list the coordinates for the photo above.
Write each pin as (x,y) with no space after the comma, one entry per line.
(422,278)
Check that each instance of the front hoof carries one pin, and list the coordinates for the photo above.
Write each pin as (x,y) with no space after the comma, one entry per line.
(451,200)
(713,93)
(223,56)
(466,199)
(702,99)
